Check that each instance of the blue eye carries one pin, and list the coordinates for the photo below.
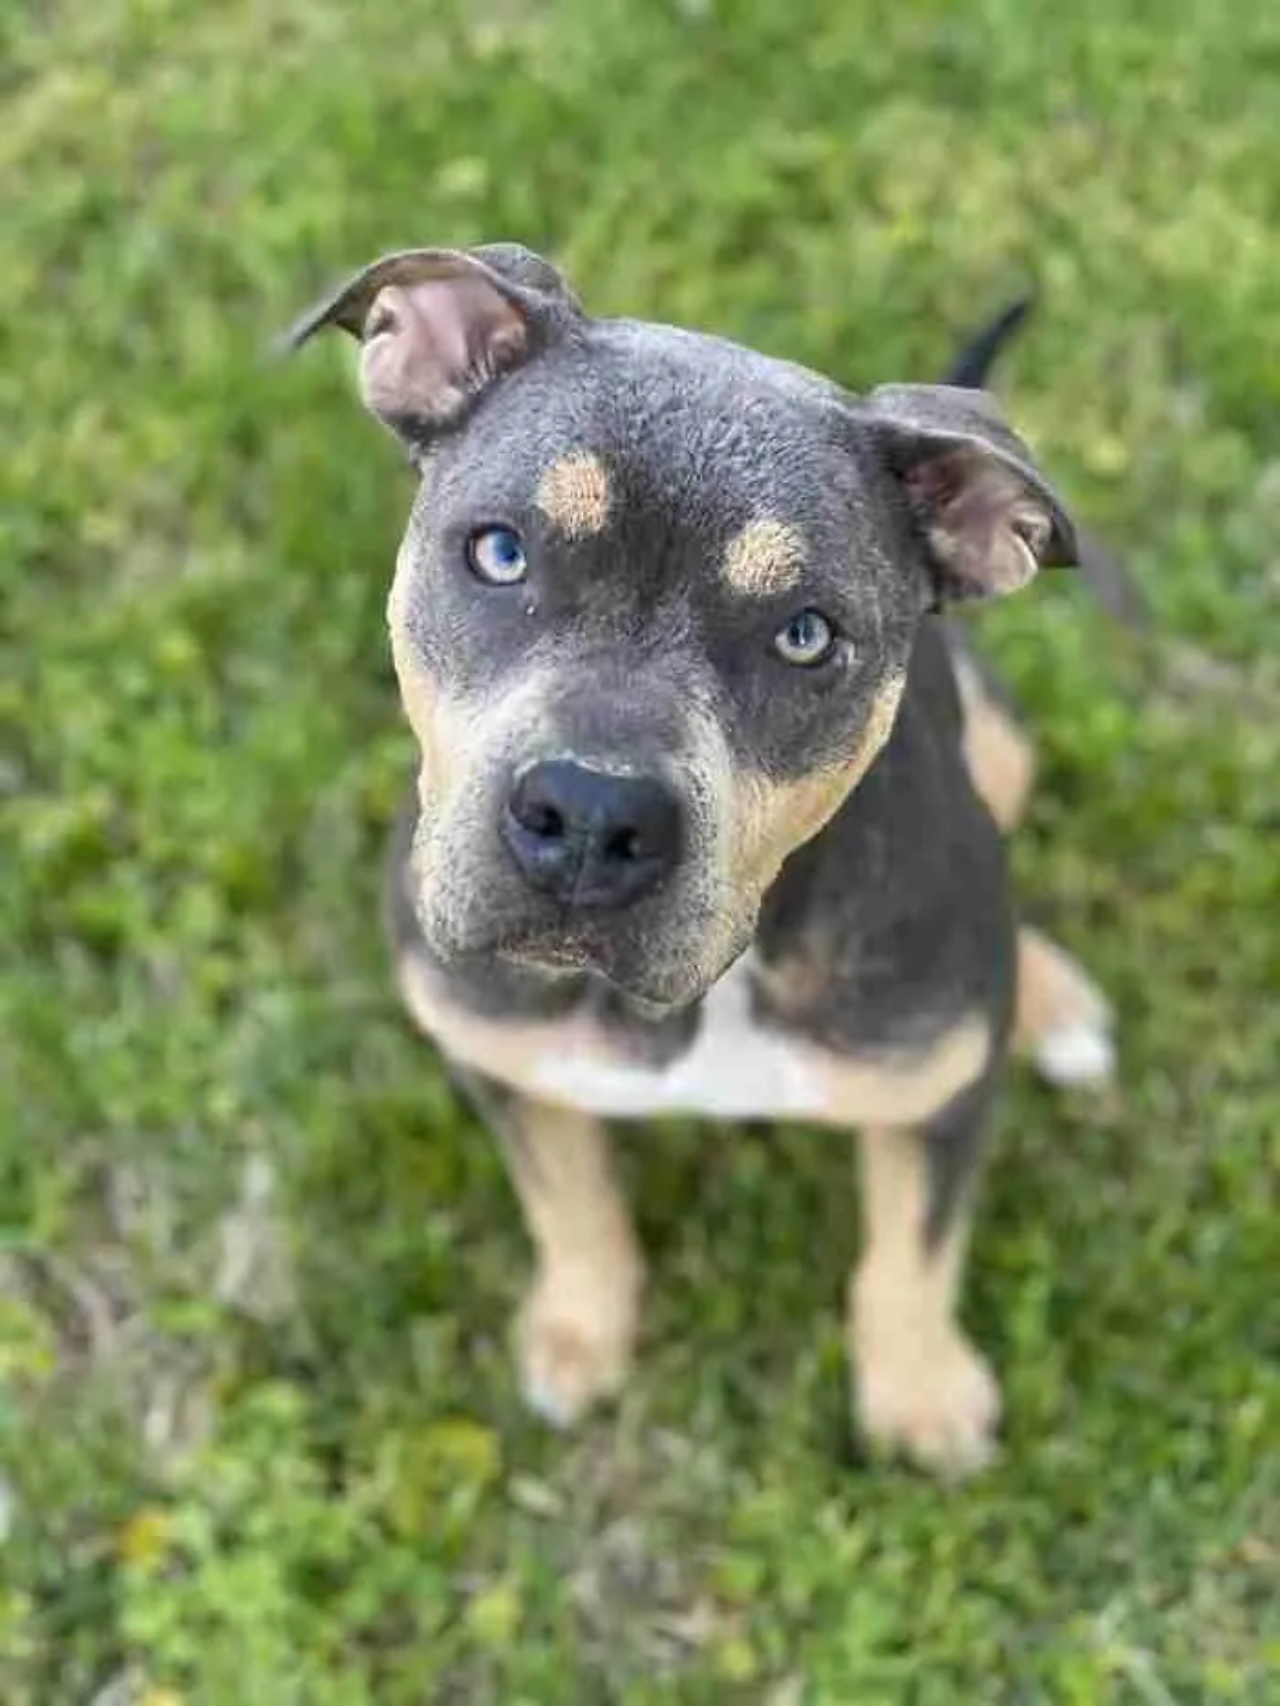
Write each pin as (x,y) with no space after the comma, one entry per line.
(496,555)
(807,639)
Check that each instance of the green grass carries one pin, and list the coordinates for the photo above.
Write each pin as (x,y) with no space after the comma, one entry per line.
(261,1439)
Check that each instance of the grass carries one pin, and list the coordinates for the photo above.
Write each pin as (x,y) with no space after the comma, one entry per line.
(261,1441)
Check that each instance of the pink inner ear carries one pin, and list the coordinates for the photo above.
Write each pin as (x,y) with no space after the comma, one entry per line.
(981,521)
(429,346)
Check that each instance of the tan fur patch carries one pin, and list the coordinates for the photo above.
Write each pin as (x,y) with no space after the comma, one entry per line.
(766,557)
(774,818)
(501,1049)
(418,692)
(905,1089)
(570,1197)
(574,495)
(922,1388)
(576,1330)
(999,756)
(440,726)
(1054,992)
(454,737)
(895,1210)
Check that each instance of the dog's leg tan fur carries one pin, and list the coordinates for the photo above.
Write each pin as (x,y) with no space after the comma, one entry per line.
(999,754)
(576,1329)
(921,1387)
(1062,1020)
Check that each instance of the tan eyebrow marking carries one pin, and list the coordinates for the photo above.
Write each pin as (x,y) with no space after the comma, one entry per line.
(574,495)
(767,556)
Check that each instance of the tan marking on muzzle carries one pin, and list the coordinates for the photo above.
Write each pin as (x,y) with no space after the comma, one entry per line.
(775,818)
(455,739)
(574,495)
(425,707)
(766,557)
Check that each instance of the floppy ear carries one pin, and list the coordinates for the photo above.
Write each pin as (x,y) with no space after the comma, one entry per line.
(439,325)
(990,518)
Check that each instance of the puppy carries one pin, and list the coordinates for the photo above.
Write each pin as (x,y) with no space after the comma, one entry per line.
(709,805)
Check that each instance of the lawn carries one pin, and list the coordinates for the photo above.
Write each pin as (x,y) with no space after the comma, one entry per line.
(261,1442)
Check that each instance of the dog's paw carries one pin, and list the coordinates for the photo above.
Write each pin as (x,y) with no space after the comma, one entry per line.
(573,1348)
(938,1407)
(1079,1056)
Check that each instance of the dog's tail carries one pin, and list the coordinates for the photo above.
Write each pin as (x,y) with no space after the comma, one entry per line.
(972,366)
(1108,579)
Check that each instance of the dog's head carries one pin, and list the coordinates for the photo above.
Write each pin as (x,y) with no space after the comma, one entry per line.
(654,606)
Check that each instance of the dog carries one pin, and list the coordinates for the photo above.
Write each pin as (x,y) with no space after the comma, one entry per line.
(710,798)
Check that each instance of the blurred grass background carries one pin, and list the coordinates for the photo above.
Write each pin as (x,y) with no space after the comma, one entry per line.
(260,1438)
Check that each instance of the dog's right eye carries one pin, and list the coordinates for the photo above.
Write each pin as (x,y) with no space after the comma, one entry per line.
(496,555)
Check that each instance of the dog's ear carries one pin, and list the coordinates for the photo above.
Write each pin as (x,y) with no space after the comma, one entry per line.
(438,326)
(990,518)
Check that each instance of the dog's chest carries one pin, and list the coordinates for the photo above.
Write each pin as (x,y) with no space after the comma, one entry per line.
(735,1067)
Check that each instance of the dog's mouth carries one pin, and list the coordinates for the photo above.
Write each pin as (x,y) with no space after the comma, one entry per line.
(652,990)
(653,965)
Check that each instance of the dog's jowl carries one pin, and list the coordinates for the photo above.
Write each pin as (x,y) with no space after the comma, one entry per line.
(705,817)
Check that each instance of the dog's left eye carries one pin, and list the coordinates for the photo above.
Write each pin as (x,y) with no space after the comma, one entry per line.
(807,639)
(496,555)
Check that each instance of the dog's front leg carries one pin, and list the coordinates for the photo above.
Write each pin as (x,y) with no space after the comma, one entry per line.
(921,1387)
(576,1329)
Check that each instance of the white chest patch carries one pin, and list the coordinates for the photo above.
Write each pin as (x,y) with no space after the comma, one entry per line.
(736,1068)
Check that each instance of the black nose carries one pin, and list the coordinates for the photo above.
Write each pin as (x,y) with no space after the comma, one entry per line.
(590,838)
